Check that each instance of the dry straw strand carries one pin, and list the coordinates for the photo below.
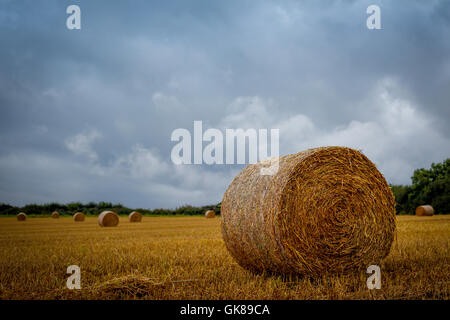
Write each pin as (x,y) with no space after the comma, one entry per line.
(326,210)
(135,217)
(21,216)
(55,214)
(108,219)
(78,217)
(425,210)
(210,214)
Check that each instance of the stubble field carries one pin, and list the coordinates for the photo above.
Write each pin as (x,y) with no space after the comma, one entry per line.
(186,258)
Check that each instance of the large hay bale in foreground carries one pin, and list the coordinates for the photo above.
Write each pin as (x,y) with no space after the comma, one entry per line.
(135,217)
(425,210)
(78,217)
(55,214)
(326,210)
(210,214)
(21,216)
(108,219)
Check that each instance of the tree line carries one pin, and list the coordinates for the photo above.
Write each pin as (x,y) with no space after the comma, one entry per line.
(93,208)
(429,186)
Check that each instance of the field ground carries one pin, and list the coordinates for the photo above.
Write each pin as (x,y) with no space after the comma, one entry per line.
(185,258)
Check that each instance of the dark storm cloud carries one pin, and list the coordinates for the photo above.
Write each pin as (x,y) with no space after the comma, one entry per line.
(89,113)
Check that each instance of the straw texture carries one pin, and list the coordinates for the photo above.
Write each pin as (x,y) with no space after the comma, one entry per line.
(326,210)
(21,216)
(55,214)
(108,219)
(425,210)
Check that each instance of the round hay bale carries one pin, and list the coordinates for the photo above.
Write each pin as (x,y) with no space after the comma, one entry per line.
(210,214)
(425,210)
(78,217)
(108,219)
(135,217)
(21,216)
(55,214)
(326,210)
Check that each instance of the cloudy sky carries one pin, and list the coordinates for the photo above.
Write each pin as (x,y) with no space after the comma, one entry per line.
(87,115)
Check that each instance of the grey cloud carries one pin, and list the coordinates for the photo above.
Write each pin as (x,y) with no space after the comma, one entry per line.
(136,72)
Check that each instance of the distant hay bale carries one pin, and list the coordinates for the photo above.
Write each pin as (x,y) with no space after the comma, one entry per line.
(21,216)
(78,217)
(135,217)
(210,214)
(55,214)
(108,219)
(326,210)
(425,210)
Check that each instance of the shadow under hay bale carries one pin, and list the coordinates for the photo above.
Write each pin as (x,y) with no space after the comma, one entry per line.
(21,216)
(55,214)
(425,210)
(108,219)
(78,217)
(210,214)
(326,210)
(135,217)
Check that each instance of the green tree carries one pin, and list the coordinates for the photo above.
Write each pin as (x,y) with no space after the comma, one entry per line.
(431,186)
(401,198)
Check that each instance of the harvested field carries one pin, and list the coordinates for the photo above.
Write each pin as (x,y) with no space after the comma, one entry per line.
(186,258)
